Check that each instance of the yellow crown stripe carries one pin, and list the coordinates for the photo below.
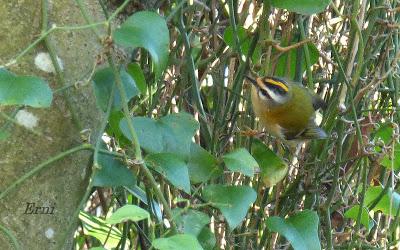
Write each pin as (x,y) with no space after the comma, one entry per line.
(277,83)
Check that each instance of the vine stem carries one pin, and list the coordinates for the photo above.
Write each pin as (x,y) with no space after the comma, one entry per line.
(43,165)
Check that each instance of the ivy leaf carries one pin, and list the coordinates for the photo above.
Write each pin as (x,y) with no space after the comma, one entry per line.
(128,212)
(273,168)
(148,30)
(172,167)
(388,204)
(177,242)
(301,229)
(113,173)
(352,213)
(202,165)
(103,81)
(305,7)
(232,201)
(241,161)
(24,90)
(190,221)
(170,134)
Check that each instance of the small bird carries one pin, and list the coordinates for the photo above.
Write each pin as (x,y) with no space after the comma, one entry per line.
(286,110)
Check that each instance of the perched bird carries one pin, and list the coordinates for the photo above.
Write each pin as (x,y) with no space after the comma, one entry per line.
(286,110)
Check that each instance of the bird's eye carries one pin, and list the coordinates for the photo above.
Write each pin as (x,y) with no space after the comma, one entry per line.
(263,94)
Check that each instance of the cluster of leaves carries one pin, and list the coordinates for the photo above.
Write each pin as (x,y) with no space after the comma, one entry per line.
(205,169)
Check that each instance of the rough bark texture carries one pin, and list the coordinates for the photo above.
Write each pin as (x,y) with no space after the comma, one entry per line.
(62,184)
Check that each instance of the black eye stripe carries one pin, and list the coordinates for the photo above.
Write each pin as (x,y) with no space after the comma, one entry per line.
(277,89)
(264,92)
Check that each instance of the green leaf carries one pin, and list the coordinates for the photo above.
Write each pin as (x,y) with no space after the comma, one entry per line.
(232,201)
(273,168)
(207,239)
(136,73)
(4,135)
(24,90)
(290,57)
(384,132)
(301,229)
(352,213)
(128,212)
(305,7)
(190,221)
(98,228)
(172,167)
(148,30)
(241,161)
(244,37)
(113,173)
(113,128)
(202,165)
(177,242)
(97,248)
(172,133)
(388,204)
(387,159)
(103,81)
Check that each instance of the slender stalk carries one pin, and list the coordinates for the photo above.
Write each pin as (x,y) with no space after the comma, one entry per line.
(42,166)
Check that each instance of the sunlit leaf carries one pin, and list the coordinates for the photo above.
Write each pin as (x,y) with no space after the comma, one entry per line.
(301,229)
(128,212)
(388,161)
(273,168)
(98,228)
(388,204)
(177,242)
(232,201)
(352,213)
(241,161)
(24,90)
(305,7)
(172,133)
(148,30)
(172,167)
(103,81)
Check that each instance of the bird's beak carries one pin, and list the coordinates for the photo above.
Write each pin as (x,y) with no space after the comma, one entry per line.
(252,80)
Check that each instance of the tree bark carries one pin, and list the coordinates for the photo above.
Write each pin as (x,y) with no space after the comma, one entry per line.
(60,186)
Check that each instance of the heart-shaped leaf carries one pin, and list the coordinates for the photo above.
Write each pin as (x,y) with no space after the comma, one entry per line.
(202,165)
(305,7)
(172,167)
(128,212)
(190,221)
(273,168)
(207,239)
(232,201)
(388,204)
(172,133)
(103,81)
(148,30)
(113,173)
(241,161)
(301,229)
(177,242)
(24,90)
(352,213)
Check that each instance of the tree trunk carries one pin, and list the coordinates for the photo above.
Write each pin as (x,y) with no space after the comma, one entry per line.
(39,211)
